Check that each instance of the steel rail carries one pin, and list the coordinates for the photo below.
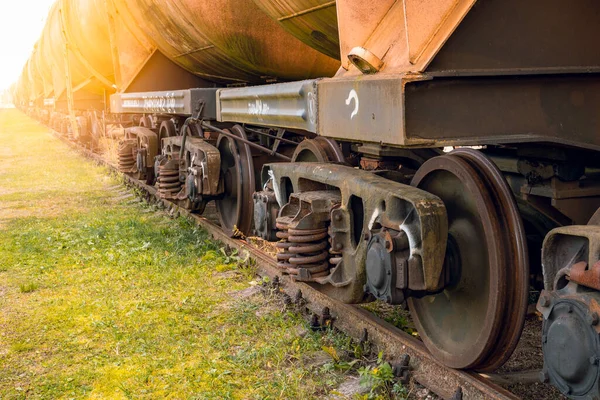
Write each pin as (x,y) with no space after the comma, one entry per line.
(446,382)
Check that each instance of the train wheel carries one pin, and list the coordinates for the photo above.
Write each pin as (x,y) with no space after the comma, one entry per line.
(476,321)
(319,149)
(146,122)
(236,207)
(167,129)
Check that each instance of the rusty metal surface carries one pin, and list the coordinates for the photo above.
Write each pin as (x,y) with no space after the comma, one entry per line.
(236,206)
(566,246)
(289,105)
(460,325)
(352,320)
(312,21)
(404,35)
(588,277)
(415,111)
(83,26)
(225,40)
(522,37)
(303,229)
(516,251)
(368,200)
(180,102)
(319,149)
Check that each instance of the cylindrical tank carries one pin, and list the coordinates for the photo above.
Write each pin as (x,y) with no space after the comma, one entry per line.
(21,91)
(84,25)
(226,40)
(312,21)
(35,79)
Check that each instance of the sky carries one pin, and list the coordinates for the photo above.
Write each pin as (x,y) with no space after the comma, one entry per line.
(21,23)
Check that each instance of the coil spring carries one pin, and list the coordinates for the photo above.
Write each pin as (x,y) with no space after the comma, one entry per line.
(126,158)
(306,249)
(168,180)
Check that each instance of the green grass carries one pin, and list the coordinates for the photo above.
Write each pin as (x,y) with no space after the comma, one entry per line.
(102,298)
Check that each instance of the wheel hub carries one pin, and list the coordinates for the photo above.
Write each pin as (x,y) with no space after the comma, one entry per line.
(571,346)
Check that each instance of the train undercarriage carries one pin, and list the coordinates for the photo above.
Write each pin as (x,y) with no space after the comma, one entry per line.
(468,236)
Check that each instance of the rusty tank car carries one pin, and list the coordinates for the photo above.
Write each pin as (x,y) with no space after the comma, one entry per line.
(440,153)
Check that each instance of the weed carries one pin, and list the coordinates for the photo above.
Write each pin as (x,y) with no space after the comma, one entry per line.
(380,381)
(27,287)
(132,307)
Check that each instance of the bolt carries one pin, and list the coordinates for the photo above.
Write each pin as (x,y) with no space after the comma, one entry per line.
(338,246)
(594,360)
(544,377)
(545,300)
(593,318)
(337,217)
(365,336)
(326,318)
(405,360)
(314,323)
(287,300)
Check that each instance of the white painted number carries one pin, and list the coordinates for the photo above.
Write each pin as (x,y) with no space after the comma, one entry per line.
(353,96)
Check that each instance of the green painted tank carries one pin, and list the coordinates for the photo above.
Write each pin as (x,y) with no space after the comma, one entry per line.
(312,21)
(226,40)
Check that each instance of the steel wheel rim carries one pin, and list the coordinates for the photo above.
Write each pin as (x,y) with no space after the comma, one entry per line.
(236,209)
(517,267)
(319,149)
(460,325)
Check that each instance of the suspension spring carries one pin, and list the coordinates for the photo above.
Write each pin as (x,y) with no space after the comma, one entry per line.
(168,179)
(125,153)
(303,253)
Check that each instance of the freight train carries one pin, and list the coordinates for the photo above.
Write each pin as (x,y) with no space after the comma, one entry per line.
(443,153)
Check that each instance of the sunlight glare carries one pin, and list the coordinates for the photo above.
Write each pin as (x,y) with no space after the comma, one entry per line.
(21,24)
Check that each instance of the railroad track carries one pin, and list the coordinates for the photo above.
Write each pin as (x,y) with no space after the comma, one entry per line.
(354,321)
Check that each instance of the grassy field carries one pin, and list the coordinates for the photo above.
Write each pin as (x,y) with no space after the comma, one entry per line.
(102,297)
